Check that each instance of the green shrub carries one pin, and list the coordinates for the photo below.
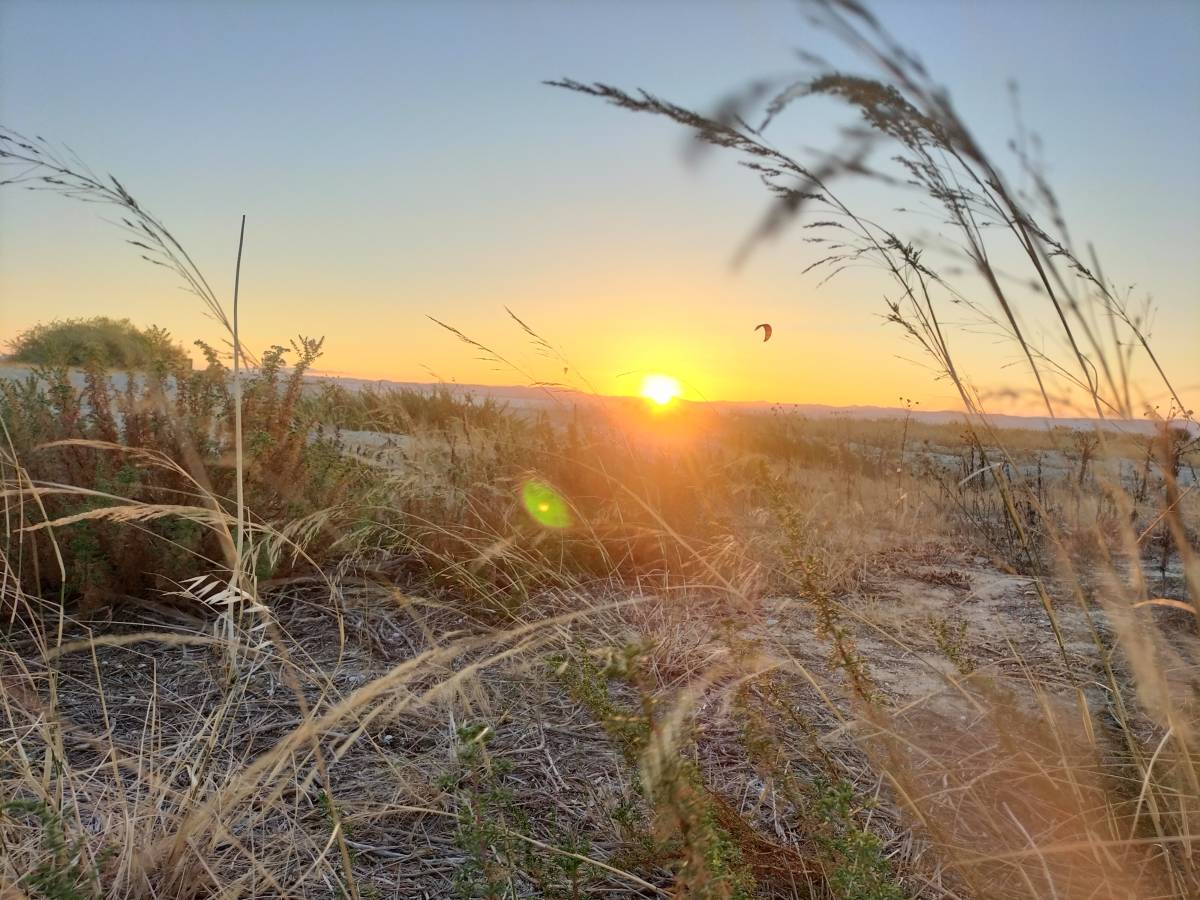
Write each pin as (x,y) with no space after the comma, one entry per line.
(114,343)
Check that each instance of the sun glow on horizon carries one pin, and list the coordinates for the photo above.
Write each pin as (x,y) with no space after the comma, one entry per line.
(661,389)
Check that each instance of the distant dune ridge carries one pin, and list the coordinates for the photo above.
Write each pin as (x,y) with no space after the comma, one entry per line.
(520,397)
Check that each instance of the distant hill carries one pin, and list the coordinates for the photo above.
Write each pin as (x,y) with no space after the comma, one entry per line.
(527,397)
(549,397)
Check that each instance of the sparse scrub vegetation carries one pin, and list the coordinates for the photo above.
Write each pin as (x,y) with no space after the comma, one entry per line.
(267,636)
(145,471)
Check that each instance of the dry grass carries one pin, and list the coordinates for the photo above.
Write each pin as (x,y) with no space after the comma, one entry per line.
(249,655)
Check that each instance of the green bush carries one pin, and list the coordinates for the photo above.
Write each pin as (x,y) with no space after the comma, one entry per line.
(114,343)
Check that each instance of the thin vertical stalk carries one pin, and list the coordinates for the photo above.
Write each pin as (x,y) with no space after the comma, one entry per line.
(236,575)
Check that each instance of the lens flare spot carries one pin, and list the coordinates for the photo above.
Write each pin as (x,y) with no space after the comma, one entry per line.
(545,505)
(661,390)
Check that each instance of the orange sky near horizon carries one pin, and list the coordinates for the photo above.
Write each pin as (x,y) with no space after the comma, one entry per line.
(831,347)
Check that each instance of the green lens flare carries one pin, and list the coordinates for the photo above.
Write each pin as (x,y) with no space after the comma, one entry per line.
(545,505)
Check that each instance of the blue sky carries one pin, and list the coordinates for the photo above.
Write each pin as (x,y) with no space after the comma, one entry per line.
(402,159)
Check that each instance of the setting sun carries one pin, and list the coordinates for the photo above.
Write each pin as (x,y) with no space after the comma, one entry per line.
(660,389)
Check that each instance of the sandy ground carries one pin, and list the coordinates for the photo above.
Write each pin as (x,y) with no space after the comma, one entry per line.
(396,775)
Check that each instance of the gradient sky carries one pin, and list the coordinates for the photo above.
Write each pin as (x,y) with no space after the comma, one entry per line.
(402,159)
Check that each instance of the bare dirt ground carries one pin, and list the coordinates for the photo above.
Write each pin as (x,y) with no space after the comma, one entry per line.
(936,629)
